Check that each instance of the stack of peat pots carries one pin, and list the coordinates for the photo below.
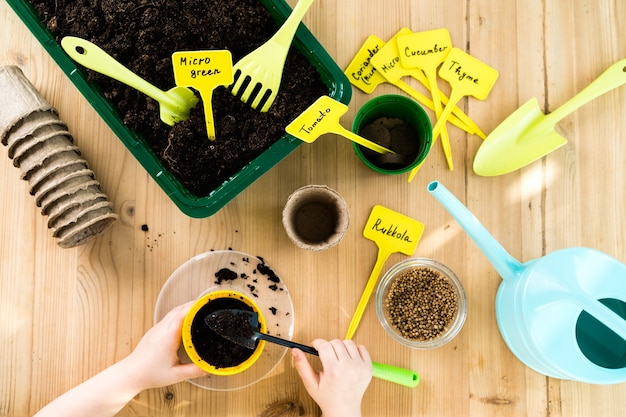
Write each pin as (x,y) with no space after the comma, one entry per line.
(41,146)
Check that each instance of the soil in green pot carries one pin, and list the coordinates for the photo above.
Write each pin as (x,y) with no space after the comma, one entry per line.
(143,34)
(394,134)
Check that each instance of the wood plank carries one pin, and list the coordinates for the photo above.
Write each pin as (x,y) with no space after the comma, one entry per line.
(68,313)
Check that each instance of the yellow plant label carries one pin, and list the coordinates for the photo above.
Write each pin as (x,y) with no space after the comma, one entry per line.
(387,61)
(392,231)
(361,72)
(467,75)
(426,49)
(203,70)
(319,118)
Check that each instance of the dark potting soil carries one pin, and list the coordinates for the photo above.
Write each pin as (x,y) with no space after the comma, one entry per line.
(143,34)
(225,274)
(393,134)
(213,348)
(233,323)
(316,222)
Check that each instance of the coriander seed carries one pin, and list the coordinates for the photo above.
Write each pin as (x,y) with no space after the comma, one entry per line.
(421,304)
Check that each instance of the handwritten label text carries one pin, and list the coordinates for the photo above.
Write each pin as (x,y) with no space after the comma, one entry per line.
(408,52)
(187,61)
(309,128)
(365,72)
(458,70)
(391,230)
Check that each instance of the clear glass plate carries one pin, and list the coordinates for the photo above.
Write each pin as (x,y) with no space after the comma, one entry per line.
(256,279)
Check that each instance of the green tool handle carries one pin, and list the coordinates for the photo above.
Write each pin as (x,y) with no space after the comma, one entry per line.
(396,375)
(389,373)
(93,57)
(611,78)
(284,36)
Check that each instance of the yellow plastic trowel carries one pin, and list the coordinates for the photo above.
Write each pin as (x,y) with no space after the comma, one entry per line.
(528,135)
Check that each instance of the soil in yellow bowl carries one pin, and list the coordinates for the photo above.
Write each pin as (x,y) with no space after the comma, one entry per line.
(210,351)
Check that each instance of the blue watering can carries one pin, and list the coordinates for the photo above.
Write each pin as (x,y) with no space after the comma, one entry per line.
(564,314)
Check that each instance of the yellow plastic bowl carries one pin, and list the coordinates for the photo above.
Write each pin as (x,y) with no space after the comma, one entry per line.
(188,343)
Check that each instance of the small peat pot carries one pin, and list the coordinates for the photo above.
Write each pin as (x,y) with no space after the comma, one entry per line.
(210,351)
(421,303)
(397,123)
(315,217)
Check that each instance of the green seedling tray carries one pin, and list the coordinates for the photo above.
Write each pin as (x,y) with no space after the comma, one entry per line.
(199,207)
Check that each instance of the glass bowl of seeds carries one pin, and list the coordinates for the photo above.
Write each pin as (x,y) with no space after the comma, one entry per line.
(421,303)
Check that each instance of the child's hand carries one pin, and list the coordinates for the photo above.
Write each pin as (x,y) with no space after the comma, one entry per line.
(154,362)
(338,389)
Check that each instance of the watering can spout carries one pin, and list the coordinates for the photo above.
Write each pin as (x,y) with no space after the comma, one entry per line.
(507,266)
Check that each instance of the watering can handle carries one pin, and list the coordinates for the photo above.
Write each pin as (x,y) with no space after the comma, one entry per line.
(506,266)
(613,77)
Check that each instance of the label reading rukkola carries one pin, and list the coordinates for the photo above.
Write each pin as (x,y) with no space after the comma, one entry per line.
(393,230)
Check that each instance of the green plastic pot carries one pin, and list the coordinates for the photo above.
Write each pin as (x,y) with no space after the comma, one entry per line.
(400,107)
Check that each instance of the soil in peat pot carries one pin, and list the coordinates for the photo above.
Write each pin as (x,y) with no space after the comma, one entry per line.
(143,34)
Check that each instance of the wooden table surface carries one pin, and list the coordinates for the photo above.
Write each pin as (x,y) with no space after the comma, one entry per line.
(66,314)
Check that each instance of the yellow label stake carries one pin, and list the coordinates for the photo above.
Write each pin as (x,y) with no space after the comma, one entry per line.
(204,71)
(427,50)
(468,77)
(360,71)
(392,232)
(323,117)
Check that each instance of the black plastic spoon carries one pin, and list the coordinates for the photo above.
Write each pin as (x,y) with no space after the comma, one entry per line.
(242,327)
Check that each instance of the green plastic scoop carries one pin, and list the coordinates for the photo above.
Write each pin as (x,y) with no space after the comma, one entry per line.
(528,135)
(174,104)
(247,336)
